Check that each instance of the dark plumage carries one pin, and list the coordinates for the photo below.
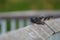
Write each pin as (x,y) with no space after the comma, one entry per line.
(48,17)
(37,20)
(40,20)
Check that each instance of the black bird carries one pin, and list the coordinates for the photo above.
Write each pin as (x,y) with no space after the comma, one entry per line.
(41,19)
(37,20)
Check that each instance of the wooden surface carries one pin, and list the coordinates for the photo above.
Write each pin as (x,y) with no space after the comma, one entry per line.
(34,31)
(54,24)
(28,14)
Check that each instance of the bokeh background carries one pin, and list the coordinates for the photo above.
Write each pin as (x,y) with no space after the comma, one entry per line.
(19,5)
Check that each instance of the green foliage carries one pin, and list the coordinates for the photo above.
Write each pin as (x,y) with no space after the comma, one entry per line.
(27,4)
(3,1)
(55,3)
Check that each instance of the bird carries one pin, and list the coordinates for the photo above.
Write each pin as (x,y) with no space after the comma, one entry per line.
(37,20)
(40,19)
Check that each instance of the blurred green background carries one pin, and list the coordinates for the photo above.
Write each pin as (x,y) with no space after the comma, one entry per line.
(19,5)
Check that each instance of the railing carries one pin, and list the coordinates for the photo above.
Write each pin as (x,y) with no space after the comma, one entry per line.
(10,21)
(13,24)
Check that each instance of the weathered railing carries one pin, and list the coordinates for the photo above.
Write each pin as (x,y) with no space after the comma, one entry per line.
(10,21)
(19,19)
(12,24)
